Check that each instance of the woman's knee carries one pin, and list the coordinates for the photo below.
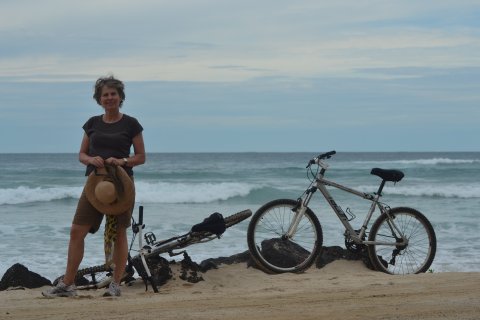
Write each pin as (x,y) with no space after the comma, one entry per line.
(79,231)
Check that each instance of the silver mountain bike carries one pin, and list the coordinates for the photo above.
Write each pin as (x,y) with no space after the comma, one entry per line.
(285,235)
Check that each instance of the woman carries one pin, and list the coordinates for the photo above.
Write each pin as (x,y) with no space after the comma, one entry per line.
(107,141)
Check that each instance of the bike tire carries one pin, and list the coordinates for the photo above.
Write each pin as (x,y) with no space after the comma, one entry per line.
(270,248)
(91,278)
(95,277)
(237,217)
(417,256)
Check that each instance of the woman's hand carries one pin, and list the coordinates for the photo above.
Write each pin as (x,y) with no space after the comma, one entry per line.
(115,161)
(96,161)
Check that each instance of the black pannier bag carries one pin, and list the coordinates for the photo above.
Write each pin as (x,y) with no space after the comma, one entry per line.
(214,224)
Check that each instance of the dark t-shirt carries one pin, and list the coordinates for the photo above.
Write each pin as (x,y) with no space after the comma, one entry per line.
(111,139)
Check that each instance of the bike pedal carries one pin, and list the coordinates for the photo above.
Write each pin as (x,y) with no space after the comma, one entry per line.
(150,238)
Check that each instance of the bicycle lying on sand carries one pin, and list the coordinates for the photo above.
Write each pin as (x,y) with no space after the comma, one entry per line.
(211,228)
(286,236)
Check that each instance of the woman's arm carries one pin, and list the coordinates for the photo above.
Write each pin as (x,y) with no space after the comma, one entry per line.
(83,156)
(139,156)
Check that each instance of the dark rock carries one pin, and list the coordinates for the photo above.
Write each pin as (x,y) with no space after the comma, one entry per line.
(159,269)
(330,254)
(213,263)
(19,276)
(284,253)
(79,281)
(190,270)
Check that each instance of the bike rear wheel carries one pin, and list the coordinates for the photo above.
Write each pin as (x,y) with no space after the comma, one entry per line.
(95,277)
(269,245)
(417,256)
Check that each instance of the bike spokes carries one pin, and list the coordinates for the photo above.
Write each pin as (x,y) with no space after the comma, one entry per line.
(271,245)
(412,255)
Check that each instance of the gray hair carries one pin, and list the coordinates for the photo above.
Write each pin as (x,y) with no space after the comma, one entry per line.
(110,82)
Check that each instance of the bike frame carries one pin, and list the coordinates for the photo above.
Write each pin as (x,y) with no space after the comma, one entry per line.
(321,184)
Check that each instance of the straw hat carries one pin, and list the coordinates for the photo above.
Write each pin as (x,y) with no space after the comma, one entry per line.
(110,190)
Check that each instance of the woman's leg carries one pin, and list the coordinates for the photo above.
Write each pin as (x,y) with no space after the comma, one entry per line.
(75,251)
(120,253)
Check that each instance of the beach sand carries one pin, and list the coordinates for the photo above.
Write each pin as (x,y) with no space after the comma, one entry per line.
(340,290)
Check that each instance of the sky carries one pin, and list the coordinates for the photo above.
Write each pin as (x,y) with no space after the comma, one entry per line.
(245,76)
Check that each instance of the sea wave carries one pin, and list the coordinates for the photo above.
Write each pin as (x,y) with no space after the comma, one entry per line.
(429,190)
(163,192)
(426,162)
(438,161)
(184,192)
(24,194)
(145,192)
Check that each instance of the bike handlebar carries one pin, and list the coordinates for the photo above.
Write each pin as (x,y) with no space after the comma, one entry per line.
(326,155)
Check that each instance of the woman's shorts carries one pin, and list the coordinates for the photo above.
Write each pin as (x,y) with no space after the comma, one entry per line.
(86,214)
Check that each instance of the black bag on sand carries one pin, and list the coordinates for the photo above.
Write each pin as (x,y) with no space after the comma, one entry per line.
(214,224)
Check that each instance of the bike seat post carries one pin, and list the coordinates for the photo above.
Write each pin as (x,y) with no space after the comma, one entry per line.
(380,188)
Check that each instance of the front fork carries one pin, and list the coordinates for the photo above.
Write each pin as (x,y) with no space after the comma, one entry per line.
(299,210)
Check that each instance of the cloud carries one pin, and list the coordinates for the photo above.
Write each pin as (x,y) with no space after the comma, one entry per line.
(212,40)
(204,70)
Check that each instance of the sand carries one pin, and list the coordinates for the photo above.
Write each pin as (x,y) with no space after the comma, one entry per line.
(340,290)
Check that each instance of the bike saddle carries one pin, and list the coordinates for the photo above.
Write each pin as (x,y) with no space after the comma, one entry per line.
(388,175)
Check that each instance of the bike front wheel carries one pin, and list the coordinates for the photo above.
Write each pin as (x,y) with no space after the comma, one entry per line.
(270,246)
(414,257)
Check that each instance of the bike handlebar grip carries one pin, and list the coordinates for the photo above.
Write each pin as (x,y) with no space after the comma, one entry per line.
(312,161)
(140,215)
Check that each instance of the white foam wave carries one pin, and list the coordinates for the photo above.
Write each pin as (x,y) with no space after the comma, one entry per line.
(426,162)
(436,161)
(145,193)
(190,193)
(430,190)
(24,194)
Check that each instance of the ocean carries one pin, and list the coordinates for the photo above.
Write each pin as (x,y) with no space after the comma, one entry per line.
(39,193)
